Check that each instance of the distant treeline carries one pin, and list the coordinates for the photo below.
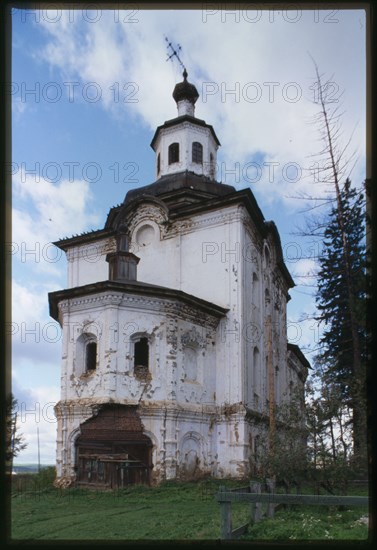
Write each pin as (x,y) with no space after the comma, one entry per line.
(29,468)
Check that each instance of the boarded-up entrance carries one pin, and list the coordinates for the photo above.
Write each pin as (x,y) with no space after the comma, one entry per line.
(112,450)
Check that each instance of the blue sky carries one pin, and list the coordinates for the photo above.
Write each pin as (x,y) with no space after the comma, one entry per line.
(89,89)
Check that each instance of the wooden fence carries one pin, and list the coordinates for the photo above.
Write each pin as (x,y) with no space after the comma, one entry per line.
(256,498)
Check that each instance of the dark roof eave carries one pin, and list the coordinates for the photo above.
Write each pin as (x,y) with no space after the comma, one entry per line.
(294,348)
(169,185)
(245,195)
(134,287)
(68,242)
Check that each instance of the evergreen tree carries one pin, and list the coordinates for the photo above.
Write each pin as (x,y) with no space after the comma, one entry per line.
(341,284)
(341,301)
(15,442)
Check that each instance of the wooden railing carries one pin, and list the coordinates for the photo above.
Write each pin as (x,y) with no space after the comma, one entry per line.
(253,496)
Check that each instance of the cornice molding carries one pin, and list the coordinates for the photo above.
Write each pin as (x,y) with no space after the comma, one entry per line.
(198,313)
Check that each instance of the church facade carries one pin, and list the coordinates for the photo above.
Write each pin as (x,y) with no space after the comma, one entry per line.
(174,325)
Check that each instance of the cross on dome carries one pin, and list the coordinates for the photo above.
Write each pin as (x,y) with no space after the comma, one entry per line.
(185,143)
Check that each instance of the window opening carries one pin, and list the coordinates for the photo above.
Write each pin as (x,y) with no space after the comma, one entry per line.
(173,153)
(90,356)
(141,358)
(197,152)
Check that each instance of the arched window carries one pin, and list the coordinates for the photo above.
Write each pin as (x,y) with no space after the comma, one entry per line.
(197,152)
(173,153)
(158,163)
(90,356)
(141,358)
(85,361)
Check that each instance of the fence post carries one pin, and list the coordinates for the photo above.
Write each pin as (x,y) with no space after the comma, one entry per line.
(256,507)
(270,484)
(225,517)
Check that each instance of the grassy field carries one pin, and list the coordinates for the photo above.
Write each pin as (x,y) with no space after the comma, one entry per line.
(311,523)
(173,511)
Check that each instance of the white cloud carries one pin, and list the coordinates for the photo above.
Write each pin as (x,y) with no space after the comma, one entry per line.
(304,272)
(36,337)
(35,411)
(58,206)
(45,212)
(261,59)
(26,304)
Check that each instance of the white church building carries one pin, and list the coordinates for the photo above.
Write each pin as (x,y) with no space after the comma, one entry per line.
(174,324)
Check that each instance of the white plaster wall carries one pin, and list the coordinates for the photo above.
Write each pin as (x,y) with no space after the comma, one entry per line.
(185,134)
(87,263)
(253,330)
(232,446)
(186,403)
(176,431)
(70,415)
(193,256)
(182,434)
(116,322)
(256,309)
(202,256)
(199,256)
(112,378)
(208,256)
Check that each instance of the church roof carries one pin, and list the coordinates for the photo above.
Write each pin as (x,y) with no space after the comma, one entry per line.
(200,195)
(296,351)
(134,287)
(189,181)
(185,194)
(82,238)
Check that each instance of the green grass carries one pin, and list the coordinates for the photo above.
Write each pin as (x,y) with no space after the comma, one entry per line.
(173,511)
(312,523)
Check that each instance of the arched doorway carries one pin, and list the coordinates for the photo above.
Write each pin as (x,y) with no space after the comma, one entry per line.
(112,451)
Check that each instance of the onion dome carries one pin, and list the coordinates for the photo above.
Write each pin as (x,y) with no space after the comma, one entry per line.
(185,90)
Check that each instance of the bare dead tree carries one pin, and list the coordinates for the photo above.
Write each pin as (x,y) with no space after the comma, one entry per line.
(333,171)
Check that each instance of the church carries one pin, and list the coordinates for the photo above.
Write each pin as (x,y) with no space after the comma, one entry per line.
(174,349)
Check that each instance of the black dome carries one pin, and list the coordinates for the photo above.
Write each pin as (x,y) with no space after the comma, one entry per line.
(185,90)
